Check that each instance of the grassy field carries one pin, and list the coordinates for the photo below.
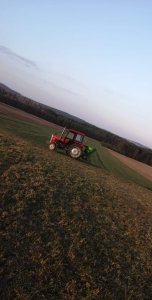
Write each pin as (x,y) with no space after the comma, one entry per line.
(110,163)
(39,134)
(27,130)
(69,230)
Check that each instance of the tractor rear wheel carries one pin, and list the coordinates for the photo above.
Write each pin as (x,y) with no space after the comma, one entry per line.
(74,151)
(52,146)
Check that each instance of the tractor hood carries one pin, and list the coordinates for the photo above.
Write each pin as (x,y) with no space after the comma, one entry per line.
(56,137)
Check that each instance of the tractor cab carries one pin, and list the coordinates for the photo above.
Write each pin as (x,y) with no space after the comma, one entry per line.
(73,135)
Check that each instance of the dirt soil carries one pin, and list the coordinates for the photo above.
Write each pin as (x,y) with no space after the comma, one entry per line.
(21,115)
(139,167)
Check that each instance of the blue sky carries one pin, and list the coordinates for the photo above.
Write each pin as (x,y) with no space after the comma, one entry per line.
(91,58)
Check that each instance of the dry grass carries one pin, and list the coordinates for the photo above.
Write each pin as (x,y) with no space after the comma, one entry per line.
(70,231)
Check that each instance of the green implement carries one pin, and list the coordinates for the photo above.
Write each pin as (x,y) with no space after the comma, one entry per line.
(89,150)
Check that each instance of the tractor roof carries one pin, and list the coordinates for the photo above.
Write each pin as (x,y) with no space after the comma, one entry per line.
(75,131)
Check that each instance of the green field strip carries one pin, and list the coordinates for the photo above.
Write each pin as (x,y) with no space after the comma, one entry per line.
(115,166)
(28,130)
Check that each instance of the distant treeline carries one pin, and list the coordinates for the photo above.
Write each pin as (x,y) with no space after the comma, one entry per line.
(58,117)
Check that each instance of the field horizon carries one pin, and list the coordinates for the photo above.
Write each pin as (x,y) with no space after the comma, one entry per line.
(63,119)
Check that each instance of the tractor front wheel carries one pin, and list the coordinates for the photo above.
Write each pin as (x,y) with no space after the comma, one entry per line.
(74,151)
(52,146)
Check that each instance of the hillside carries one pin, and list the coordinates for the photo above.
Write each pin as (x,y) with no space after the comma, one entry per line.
(39,107)
(69,230)
(61,118)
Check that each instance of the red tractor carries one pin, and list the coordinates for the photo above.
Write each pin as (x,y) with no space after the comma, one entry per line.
(72,141)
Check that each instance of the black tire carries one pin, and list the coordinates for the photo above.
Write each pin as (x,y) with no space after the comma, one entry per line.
(52,146)
(74,151)
(84,156)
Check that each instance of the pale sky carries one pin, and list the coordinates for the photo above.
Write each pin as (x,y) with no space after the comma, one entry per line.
(91,58)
